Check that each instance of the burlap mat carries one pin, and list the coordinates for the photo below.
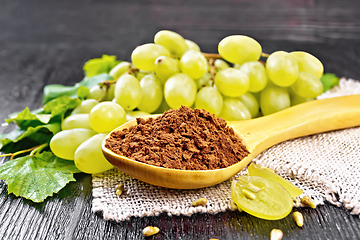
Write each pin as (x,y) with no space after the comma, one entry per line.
(325,166)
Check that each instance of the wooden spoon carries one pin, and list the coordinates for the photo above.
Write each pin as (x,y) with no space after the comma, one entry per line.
(259,134)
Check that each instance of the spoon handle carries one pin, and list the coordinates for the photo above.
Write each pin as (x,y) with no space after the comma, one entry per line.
(301,120)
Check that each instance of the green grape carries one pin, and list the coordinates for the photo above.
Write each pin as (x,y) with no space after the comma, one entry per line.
(143,57)
(274,99)
(256,170)
(140,74)
(296,99)
(204,81)
(89,157)
(233,109)
(128,92)
(192,45)
(239,49)
(163,107)
(261,197)
(257,96)
(172,41)
(106,116)
(180,89)
(85,106)
(232,82)
(135,114)
(80,120)
(152,93)
(97,93)
(165,67)
(307,85)
(237,66)
(194,64)
(220,64)
(308,63)
(257,75)
(64,144)
(282,68)
(119,70)
(210,99)
(110,93)
(249,100)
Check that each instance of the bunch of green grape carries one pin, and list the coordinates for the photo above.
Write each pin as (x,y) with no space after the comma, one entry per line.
(172,71)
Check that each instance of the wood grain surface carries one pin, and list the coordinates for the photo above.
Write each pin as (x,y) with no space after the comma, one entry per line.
(44,42)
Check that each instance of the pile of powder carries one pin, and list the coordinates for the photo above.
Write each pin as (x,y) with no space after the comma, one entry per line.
(181,139)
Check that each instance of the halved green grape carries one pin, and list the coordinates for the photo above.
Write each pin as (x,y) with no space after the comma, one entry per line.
(180,89)
(307,85)
(261,197)
(308,63)
(210,99)
(89,158)
(256,170)
(220,64)
(232,82)
(85,106)
(80,120)
(257,75)
(119,70)
(239,49)
(128,92)
(274,99)
(233,109)
(143,57)
(172,41)
(249,100)
(97,93)
(282,68)
(194,64)
(204,81)
(106,116)
(192,45)
(165,67)
(64,144)
(135,114)
(152,93)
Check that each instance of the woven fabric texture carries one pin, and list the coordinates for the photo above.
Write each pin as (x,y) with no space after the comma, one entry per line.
(325,166)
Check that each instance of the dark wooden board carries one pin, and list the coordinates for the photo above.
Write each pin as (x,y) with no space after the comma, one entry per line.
(43,42)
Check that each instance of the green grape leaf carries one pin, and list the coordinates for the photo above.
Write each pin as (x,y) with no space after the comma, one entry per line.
(53,91)
(100,65)
(82,92)
(59,106)
(329,80)
(26,119)
(19,139)
(37,177)
(53,111)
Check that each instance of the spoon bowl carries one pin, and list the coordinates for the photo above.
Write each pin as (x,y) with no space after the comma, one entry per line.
(258,134)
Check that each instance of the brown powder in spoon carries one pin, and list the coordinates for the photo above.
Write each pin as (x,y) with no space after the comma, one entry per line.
(182,139)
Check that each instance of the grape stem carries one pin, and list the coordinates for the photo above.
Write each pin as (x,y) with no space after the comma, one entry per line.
(212,55)
(33,151)
(38,149)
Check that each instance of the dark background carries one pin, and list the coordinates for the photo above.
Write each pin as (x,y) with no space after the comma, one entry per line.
(43,42)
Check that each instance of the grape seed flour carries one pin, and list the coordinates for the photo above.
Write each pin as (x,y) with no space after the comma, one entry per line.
(181,138)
